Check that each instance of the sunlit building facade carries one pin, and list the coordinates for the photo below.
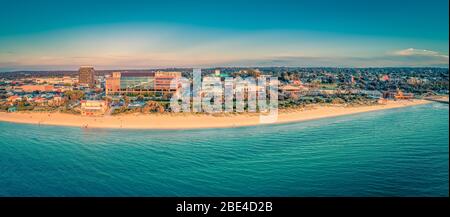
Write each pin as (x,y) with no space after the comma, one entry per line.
(140,83)
(93,107)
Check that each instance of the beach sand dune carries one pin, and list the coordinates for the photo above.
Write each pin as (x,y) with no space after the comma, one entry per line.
(193,121)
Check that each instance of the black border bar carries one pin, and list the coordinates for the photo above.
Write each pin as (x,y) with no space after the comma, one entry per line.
(286,206)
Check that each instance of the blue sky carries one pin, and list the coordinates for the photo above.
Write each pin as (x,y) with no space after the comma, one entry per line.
(156,34)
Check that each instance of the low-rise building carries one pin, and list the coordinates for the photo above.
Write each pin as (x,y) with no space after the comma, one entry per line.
(293,89)
(401,95)
(93,107)
(397,95)
(14,98)
(65,80)
(32,88)
(39,100)
(373,94)
(56,101)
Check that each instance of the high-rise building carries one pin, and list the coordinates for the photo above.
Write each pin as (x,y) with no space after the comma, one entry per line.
(86,75)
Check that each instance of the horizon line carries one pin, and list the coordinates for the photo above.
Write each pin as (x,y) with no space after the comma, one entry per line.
(230,67)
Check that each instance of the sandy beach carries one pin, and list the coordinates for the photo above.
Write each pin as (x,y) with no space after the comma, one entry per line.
(193,121)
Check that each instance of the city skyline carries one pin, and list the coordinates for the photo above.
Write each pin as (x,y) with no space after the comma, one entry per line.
(62,36)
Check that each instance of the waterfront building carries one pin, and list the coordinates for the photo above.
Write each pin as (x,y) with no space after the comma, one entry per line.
(93,107)
(112,83)
(140,83)
(163,80)
(401,95)
(86,76)
(397,95)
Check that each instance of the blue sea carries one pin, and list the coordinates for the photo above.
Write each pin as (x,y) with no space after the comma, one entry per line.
(397,152)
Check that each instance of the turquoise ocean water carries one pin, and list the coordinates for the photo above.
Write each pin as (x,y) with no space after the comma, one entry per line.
(398,152)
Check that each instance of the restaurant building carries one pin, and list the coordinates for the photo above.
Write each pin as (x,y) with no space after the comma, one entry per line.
(93,107)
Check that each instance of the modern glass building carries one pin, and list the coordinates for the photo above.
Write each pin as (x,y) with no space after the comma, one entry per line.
(140,82)
(137,81)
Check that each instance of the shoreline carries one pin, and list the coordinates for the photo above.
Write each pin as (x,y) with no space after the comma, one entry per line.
(181,121)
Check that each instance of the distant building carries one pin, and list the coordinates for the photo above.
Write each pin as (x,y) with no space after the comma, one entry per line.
(32,88)
(297,82)
(93,107)
(373,94)
(86,76)
(62,89)
(290,89)
(328,92)
(384,78)
(57,80)
(415,81)
(40,100)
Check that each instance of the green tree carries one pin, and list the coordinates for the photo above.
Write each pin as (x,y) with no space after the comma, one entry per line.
(153,106)
(74,95)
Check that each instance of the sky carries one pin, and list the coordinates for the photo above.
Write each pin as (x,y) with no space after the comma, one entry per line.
(132,34)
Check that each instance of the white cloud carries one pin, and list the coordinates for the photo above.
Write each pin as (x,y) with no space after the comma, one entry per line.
(418,52)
